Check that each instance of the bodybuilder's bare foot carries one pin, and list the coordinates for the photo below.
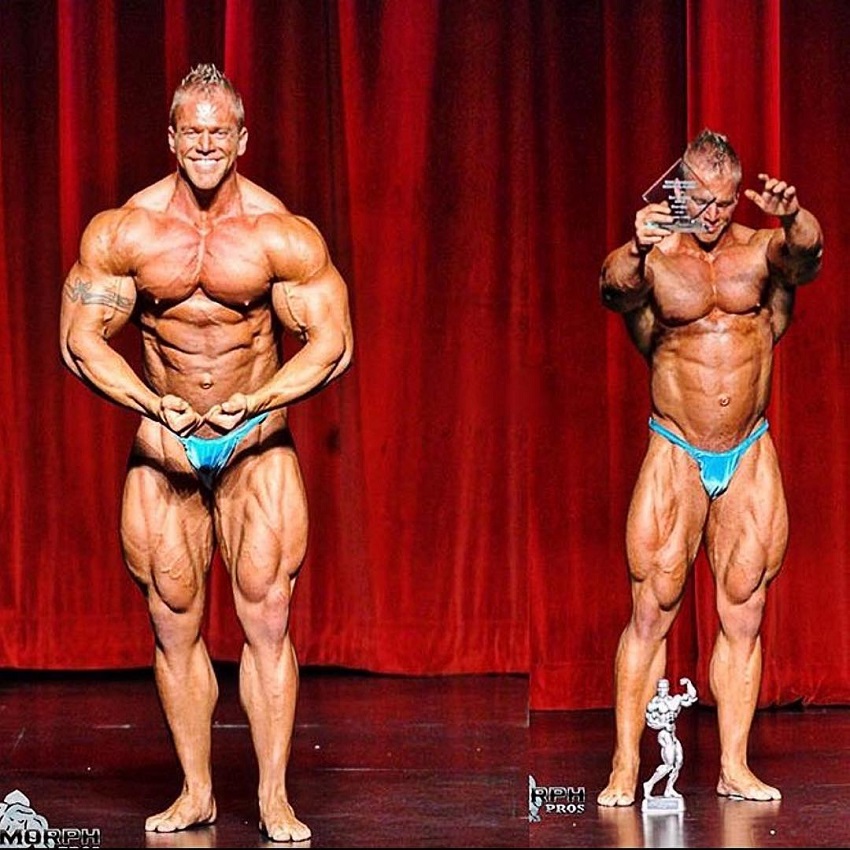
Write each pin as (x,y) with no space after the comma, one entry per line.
(279,823)
(186,811)
(742,782)
(620,790)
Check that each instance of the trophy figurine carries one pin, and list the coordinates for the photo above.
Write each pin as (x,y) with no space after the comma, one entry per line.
(661,714)
(685,194)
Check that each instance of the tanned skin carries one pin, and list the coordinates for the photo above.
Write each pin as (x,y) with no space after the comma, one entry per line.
(212,268)
(706,310)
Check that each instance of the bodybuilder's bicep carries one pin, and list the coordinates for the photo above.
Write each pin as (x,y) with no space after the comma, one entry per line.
(96,302)
(795,264)
(99,293)
(310,297)
(95,306)
(313,307)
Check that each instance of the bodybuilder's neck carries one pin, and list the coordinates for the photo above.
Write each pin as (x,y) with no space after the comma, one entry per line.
(222,201)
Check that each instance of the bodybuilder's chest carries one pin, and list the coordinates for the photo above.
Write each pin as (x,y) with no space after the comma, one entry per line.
(225,262)
(688,288)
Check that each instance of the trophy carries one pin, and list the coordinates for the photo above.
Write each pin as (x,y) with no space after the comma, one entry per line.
(686,194)
(661,714)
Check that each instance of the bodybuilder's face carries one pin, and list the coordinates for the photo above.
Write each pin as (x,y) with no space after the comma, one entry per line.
(206,138)
(717,197)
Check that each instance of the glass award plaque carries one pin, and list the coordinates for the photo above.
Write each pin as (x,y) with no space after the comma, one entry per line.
(686,194)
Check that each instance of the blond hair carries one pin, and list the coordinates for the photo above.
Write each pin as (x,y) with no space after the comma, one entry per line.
(206,78)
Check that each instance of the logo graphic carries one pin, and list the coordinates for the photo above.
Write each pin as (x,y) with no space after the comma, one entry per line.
(21,826)
(554,800)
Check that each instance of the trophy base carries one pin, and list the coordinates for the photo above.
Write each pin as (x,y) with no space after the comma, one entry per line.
(662,805)
(682,225)
(689,225)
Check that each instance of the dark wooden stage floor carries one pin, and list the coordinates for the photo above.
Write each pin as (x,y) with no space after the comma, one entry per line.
(382,761)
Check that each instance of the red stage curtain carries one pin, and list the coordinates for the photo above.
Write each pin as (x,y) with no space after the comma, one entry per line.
(470,164)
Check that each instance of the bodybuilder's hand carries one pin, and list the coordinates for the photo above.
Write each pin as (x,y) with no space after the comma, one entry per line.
(776,198)
(226,416)
(650,225)
(178,415)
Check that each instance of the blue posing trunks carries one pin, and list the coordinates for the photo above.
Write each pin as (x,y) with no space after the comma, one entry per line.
(715,468)
(209,455)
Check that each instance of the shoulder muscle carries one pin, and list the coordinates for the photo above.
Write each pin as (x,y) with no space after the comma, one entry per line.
(296,250)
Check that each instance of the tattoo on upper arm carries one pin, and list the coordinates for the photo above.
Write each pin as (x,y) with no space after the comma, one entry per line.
(81,290)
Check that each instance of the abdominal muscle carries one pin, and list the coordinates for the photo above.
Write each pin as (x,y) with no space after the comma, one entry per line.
(204,351)
(205,358)
(710,379)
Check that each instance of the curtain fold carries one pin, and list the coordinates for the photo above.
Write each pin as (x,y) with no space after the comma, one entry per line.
(470,164)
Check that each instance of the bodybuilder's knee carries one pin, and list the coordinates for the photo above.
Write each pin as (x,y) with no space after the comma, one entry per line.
(266,616)
(649,625)
(176,629)
(741,621)
(651,619)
